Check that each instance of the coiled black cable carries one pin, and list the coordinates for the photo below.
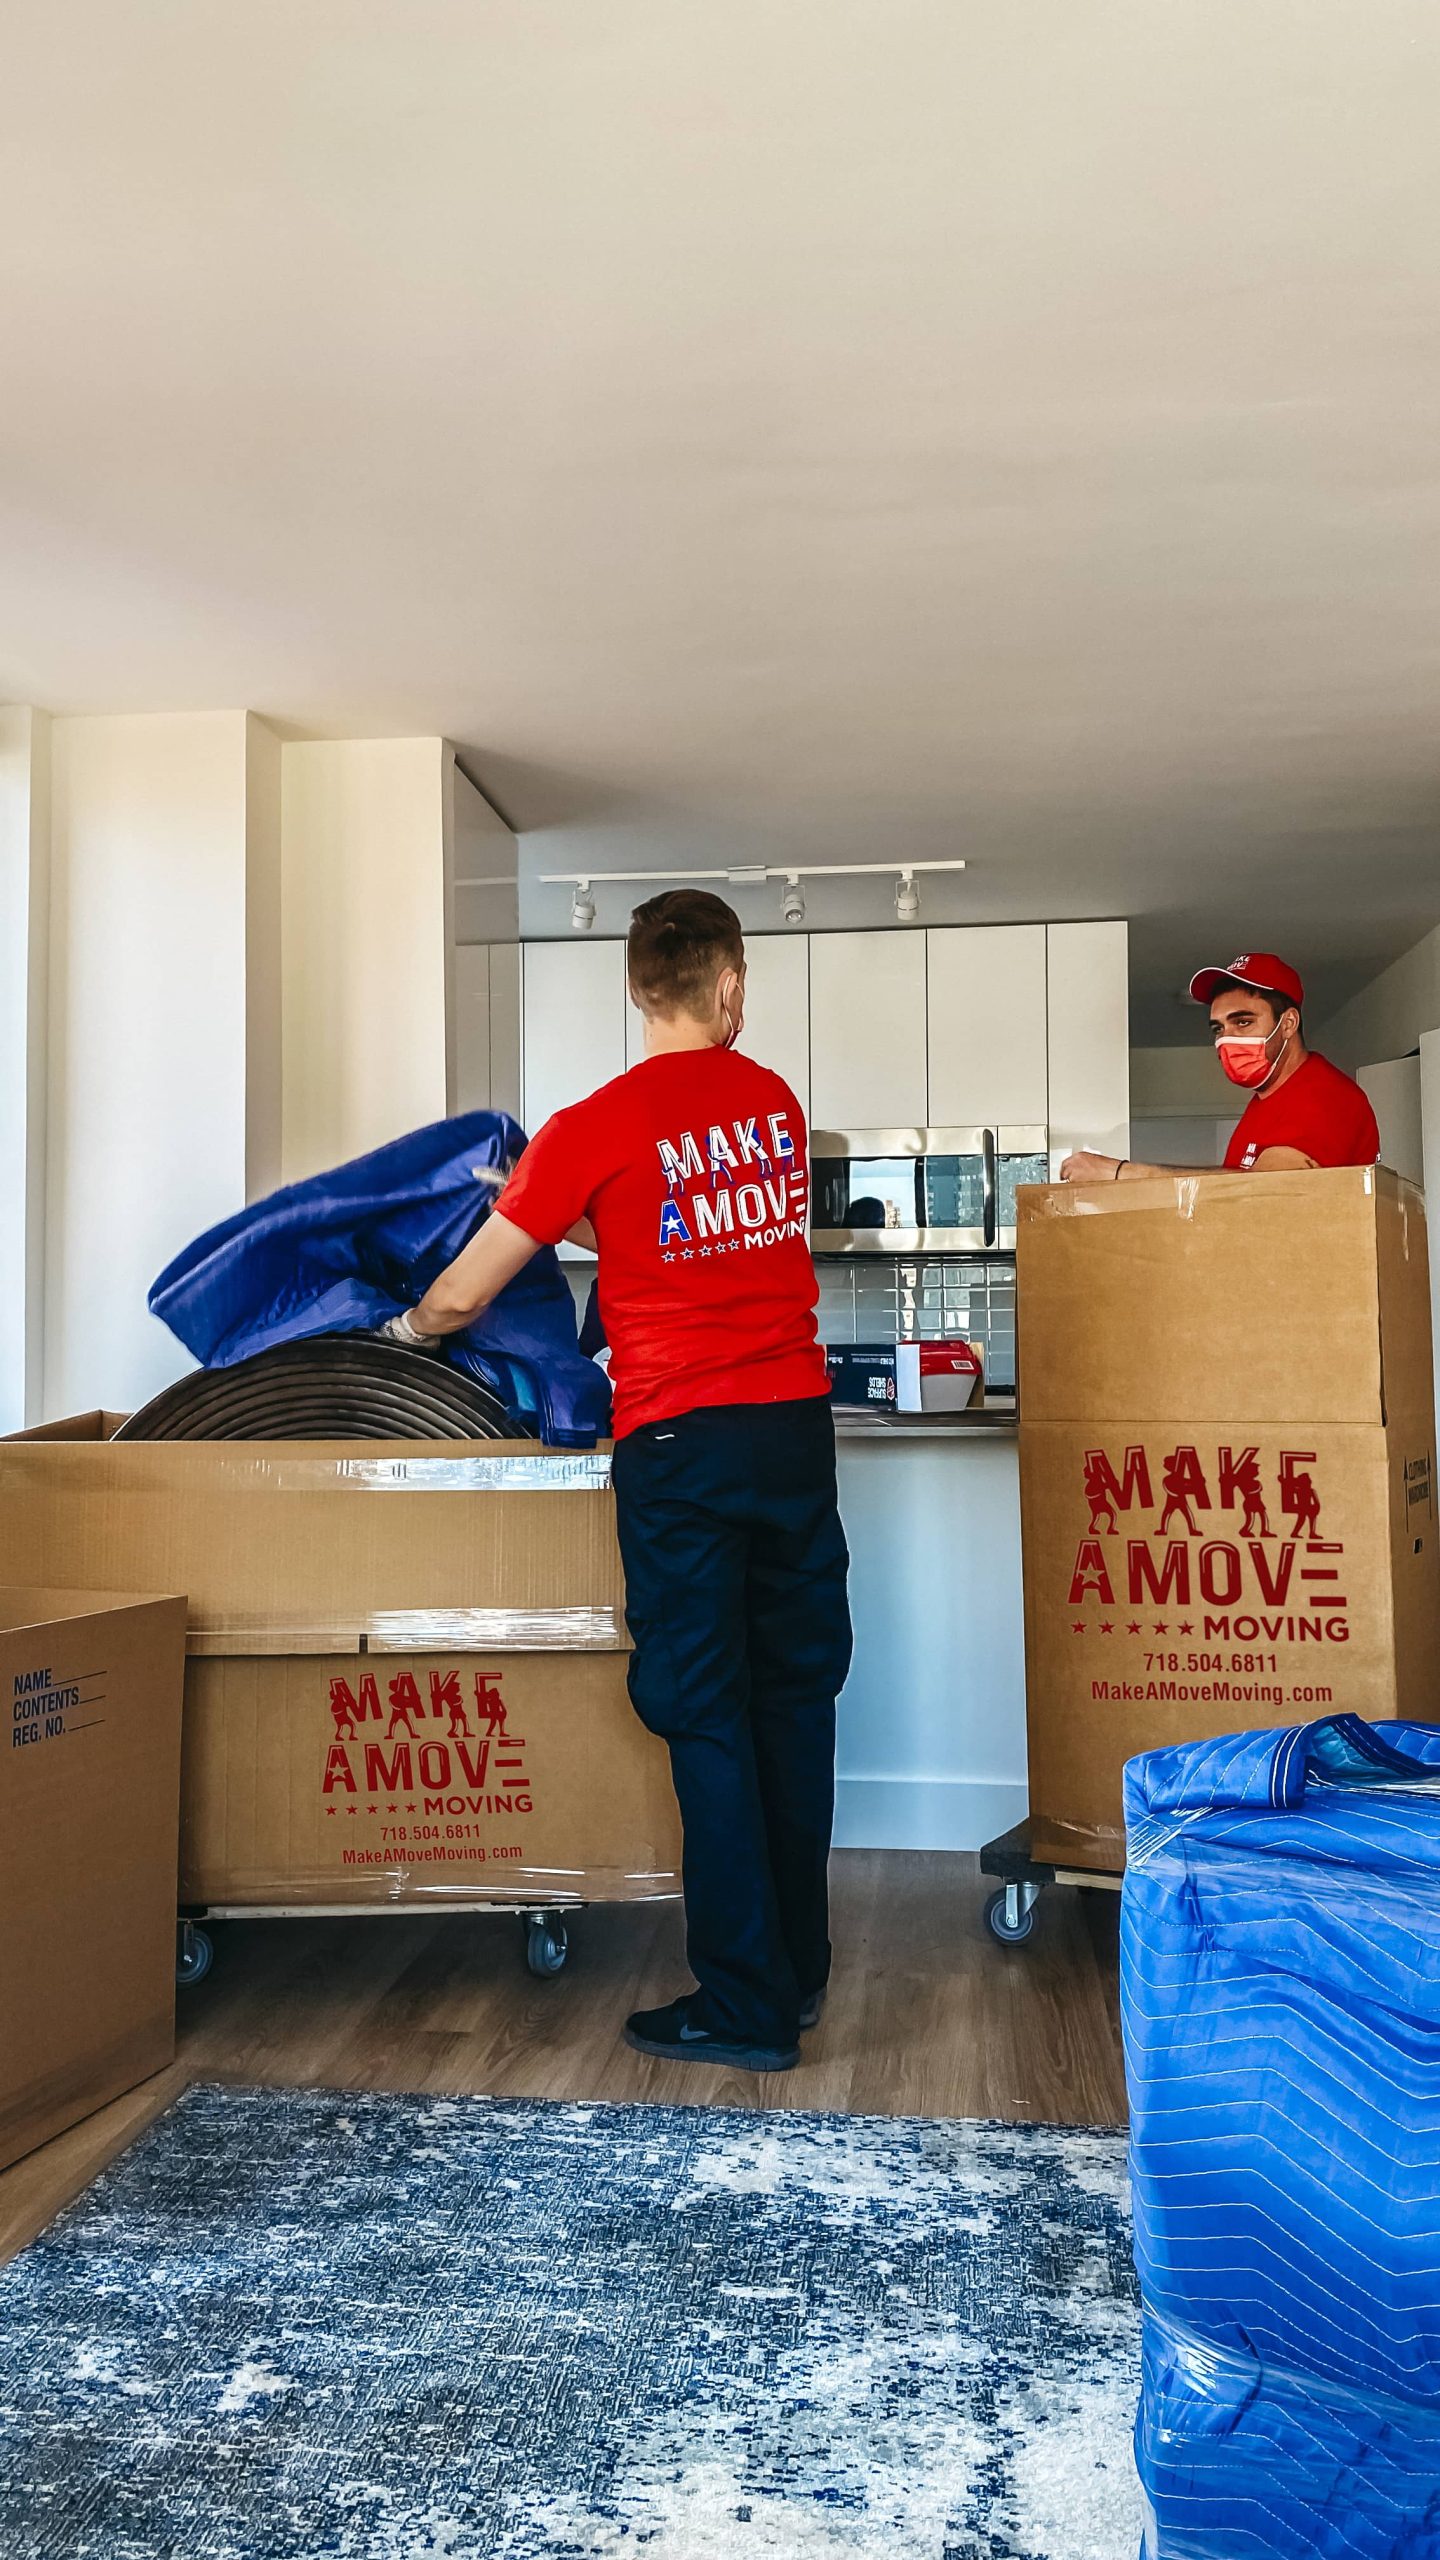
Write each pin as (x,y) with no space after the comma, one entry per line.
(350,1386)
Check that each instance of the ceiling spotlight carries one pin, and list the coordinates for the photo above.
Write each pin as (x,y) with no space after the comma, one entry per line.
(794,906)
(907,898)
(582,907)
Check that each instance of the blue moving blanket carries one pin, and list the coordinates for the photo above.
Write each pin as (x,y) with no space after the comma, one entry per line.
(346,1250)
(1281,1997)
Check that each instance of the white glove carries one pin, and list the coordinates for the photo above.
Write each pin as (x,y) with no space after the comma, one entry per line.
(400,1329)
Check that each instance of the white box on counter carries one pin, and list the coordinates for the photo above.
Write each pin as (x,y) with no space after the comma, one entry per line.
(936,1377)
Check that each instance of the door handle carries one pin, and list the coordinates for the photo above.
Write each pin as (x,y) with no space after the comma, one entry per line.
(987,1163)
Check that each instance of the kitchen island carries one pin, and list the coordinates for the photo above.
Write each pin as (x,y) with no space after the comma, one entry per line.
(931,1750)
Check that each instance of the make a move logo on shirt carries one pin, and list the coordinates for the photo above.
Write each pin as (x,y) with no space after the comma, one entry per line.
(738,1186)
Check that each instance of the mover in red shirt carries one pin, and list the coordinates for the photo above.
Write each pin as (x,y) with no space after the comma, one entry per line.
(1302,1111)
(690,1176)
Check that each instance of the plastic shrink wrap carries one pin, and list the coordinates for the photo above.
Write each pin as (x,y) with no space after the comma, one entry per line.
(1281,2000)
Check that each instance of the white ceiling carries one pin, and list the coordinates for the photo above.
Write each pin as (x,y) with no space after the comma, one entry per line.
(765,428)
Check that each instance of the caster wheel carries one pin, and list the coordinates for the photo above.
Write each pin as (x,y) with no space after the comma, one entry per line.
(1011,1932)
(547,1944)
(194,1952)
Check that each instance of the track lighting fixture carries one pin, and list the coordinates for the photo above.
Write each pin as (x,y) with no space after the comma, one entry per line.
(754,876)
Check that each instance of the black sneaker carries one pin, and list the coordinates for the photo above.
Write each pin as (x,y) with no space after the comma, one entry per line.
(671,2034)
(810,2008)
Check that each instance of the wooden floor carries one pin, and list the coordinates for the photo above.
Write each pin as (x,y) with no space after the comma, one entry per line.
(927,2015)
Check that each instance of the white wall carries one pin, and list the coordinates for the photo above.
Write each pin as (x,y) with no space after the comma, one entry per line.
(1377,1034)
(264,1028)
(1393,1086)
(147,1081)
(24,963)
(1180,1139)
(1387,1017)
(1181,1083)
(366,930)
(1430,1147)
(483,977)
(486,864)
(1180,1108)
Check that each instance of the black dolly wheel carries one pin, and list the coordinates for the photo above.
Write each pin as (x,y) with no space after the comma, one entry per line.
(1010,1914)
(547,1943)
(194,1952)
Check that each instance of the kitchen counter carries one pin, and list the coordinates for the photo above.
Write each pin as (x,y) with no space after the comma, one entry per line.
(932,1718)
(859,1422)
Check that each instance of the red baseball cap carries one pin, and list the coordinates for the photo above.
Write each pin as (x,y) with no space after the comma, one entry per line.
(1262,970)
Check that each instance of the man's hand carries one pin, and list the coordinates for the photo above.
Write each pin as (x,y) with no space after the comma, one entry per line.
(1086,1166)
(400,1329)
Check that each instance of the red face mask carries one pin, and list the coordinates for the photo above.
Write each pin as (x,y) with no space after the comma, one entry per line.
(1249,1062)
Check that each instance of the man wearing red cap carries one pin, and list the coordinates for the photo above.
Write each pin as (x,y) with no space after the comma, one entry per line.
(1302,1111)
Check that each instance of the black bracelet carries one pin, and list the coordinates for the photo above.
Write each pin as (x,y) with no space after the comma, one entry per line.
(1120,1167)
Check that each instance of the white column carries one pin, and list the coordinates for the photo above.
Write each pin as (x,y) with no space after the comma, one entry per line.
(24,897)
(365,902)
(153,944)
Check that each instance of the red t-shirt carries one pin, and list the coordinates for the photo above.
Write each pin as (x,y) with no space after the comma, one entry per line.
(694,1172)
(1319,1110)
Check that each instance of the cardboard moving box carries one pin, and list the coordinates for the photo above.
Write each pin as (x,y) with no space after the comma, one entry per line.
(345,1779)
(89,1809)
(407,1661)
(1227,1472)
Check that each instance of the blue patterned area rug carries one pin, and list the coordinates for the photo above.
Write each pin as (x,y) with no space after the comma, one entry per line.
(296,2325)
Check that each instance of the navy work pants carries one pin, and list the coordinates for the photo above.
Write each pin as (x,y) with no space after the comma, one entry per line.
(735,1570)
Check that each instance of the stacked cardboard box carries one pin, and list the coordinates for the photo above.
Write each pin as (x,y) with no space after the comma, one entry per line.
(89,1796)
(1227,1472)
(407,1663)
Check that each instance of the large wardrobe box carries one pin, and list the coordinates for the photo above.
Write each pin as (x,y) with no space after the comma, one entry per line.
(406,1675)
(1227,1471)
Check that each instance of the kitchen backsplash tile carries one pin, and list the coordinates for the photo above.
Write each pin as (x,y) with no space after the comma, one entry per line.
(875,1299)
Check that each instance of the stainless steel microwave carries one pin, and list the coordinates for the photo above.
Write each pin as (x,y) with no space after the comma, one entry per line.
(920,1190)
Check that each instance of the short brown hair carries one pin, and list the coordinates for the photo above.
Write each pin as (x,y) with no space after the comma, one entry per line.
(677,947)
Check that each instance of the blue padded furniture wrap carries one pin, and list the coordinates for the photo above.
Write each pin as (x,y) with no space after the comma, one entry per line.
(1280,1987)
(346,1250)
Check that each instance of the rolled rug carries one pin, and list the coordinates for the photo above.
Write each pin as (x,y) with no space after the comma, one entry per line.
(329,1387)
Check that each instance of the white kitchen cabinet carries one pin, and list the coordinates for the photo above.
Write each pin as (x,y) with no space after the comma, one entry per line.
(574,1023)
(987,1026)
(1089,970)
(777,1008)
(867,1030)
(470,996)
(485,994)
(505,1028)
